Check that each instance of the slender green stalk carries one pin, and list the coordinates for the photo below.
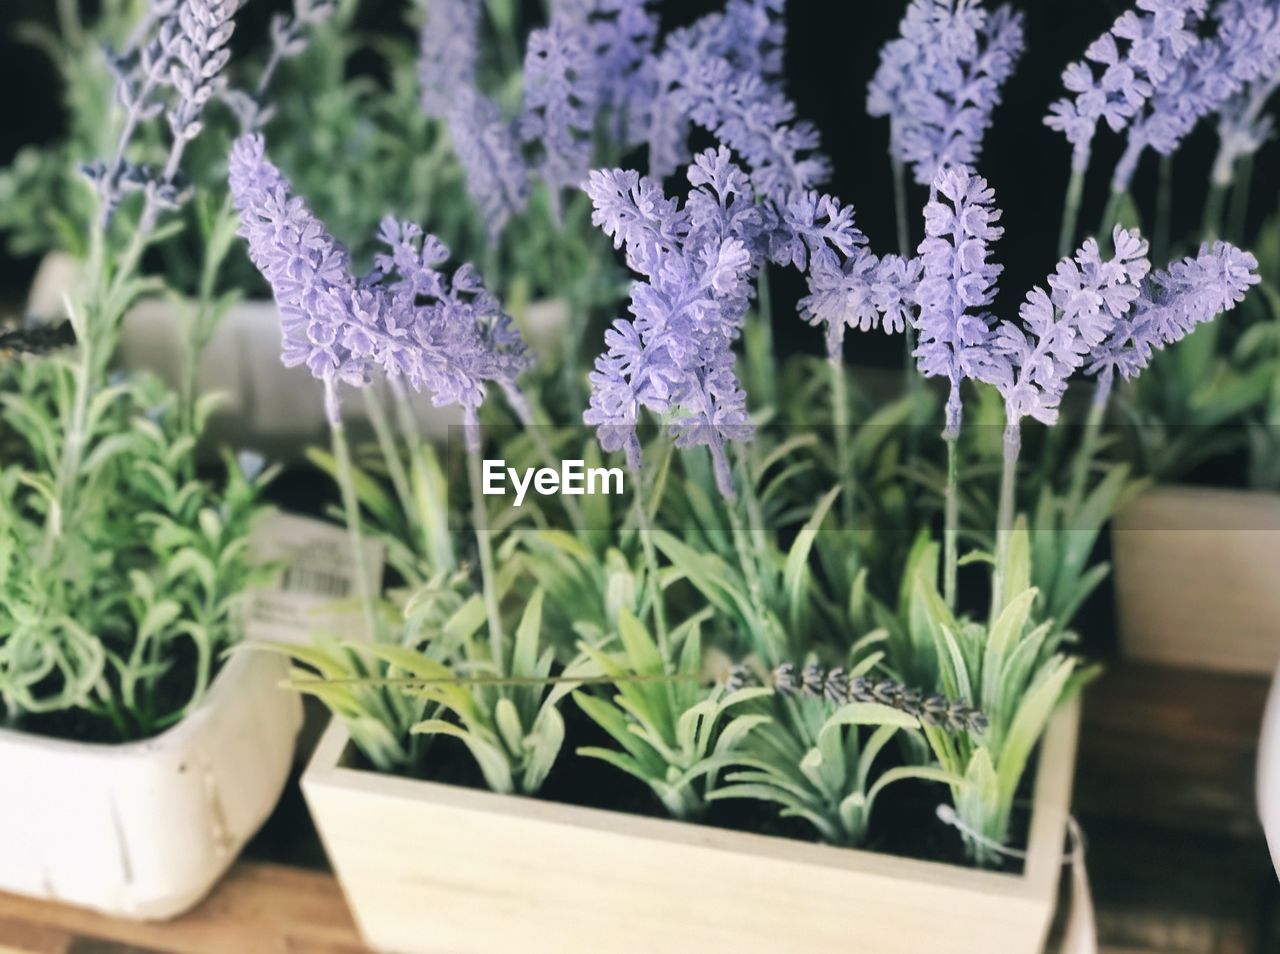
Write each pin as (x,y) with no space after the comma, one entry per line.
(1088,444)
(844,463)
(1164,209)
(645,531)
(351,511)
(1214,204)
(951,525)
(1238,217)
(1071,211)
(900,207)
(1109,216)
(390,452)
(760,356)
(480,518)
(1004,513)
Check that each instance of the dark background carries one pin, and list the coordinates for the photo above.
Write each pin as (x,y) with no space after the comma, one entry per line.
(833,49)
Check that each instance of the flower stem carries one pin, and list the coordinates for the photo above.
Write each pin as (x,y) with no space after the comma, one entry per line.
(900,208)
(1071,211)
(480,519)
(351,510)
(1088,443)
(1004,513)
(844,462)
(951,524)
(1214,203)
(1164,209)
(1238,217)
(644,529)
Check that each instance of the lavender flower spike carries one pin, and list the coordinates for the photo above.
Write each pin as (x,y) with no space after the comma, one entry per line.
(1175,301)
(958,284)
(940,81)
(448,51)
(309,273)
(497,178)
(1213,77)
(1122,69)
(445,336)
(560,104)
(674,355)
(1087,296)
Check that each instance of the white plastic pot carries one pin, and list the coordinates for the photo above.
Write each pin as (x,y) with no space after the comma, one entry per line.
(1269,772)
(145,829)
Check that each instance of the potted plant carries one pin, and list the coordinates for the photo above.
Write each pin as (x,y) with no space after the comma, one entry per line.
(737,644)
(146,757)
(1194,554)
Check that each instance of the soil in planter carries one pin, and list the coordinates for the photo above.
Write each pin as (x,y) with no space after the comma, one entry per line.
(904,823)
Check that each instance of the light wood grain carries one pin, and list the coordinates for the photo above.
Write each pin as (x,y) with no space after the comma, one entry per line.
(258,909)
(1197,574)
(428,867)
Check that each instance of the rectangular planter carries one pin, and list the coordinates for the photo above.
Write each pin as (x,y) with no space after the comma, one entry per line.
(1197,574)
(145,829)
(428,867)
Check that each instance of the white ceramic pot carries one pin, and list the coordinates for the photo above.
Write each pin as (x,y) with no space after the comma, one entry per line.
(145,829)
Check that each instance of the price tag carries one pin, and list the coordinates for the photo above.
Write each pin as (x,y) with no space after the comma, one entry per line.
(315,591)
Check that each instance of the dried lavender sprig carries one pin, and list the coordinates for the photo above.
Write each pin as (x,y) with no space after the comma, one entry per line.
(835,686)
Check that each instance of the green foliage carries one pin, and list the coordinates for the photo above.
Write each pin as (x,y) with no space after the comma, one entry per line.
(816,762)
(674,736)
(121,605)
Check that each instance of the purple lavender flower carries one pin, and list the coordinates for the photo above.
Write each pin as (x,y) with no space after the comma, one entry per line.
(288,39)
(674,355)
(721,73)
(1253,28)
(1140,51)
(940,81)
(621,35)
(1174,302)
(184,49)
(954,332)
(1211,78)
(1087,296)
(849,287)
(560,103)
(445,336)
(496,175)
(448,52)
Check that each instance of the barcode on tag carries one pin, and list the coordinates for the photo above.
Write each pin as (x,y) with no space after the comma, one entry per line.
(314,590)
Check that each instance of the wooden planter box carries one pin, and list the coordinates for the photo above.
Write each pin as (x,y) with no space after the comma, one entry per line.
(145,829)
(429,867)
(1197,574)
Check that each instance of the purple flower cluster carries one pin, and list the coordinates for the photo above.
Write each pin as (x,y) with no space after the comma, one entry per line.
(489,150)
(674,355)
(621,35)
(940,80)
(448,50)
(1253,28)
(1212,77)
(1122,69)
(184,50)
(1087,296)
(446,336)
(721,73)
(957,286)
(849,287)
(288,39)
(1172,304)
(560,104)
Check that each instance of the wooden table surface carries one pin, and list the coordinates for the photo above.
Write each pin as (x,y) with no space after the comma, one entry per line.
(1164,791)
